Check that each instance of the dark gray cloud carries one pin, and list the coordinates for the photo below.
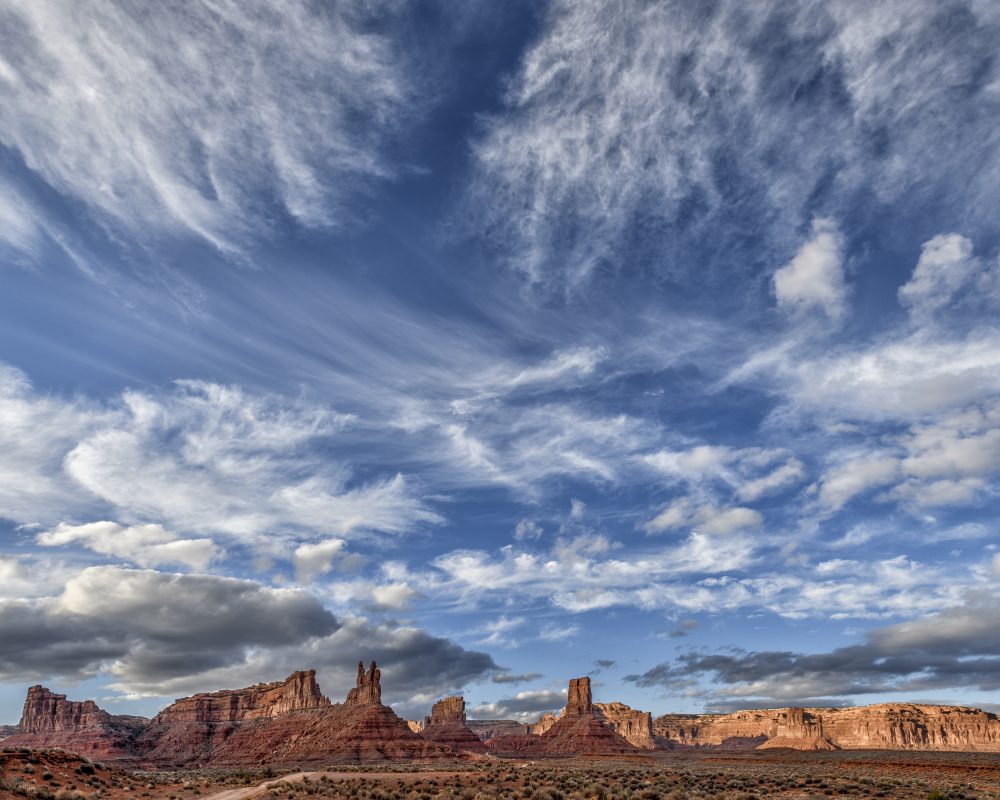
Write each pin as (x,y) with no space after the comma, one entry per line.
(511,677)
(956,648)
(605,663)
(163,634)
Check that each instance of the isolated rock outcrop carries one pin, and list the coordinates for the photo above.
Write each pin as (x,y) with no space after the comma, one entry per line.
(446,725)
(886,726)
(50,720)
(579,731)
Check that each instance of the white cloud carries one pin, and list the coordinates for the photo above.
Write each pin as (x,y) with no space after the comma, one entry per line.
(706,518)
(161,121)
(751,473)
(946,268)
(145,545)
(316,558)
(615,120)
(197,458)
(814,278)
(855,476)
(527,529)
(10,569)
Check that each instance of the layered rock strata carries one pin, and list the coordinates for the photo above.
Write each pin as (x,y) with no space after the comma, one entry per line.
(288,722)
(636,727)
(447,725)
(887,726)
(487,729)
(50,720)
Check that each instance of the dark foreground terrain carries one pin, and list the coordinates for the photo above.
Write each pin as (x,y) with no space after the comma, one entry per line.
(56,775)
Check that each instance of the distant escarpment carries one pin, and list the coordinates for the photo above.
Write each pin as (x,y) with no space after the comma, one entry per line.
(887,726)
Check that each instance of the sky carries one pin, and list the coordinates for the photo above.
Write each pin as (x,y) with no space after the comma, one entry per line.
(502,343)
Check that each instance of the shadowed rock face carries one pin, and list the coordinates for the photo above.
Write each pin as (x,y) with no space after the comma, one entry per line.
(636,727)
(886,726)
(578,697)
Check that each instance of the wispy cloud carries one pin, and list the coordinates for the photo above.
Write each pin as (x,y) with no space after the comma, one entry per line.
(212,123)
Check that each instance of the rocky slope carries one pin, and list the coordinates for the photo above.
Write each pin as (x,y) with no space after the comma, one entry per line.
(447,725)
(636,727)
(887,726)
(577,731)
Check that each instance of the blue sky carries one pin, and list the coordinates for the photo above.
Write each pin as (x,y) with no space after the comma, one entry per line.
(503,343)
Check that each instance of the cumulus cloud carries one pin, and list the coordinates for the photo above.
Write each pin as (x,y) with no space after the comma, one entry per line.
(316,558)
(145,545)
(814,278)
(945,274)
(958,647)
(208,123)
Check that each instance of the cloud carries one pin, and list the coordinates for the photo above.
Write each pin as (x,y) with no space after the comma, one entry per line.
(316,558)
(211,123)
(735,125)
(150,631)
(814,278)
(198,458)
(510,677)
(145,545)
(583,573)
(524,706)
(840,484)
(749,473)
(558,632)
(147,625)
(527,529)
(707,519)
(958,647)
(945,274)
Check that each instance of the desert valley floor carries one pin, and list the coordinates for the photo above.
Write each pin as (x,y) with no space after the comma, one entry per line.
(53,774)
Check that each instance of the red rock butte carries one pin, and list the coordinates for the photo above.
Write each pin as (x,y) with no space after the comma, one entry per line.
(291,722)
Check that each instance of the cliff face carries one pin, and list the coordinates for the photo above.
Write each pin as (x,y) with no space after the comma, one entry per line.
(446,725)
(895,726)
(298,691)
(636,727)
